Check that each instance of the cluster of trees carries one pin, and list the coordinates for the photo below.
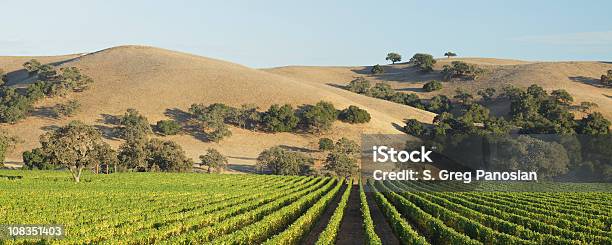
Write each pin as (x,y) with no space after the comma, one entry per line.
(16,105)
(78,146)
(437,104)
(340,161)
(213,119)
(168,127)
(382,91)
(606,79)
(533,111)
(460,69)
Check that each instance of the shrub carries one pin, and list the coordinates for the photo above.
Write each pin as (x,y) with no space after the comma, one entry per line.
(32,66)
(283,162)
(461,69)
(66,110)
(168,127)
(606,79)
(432,86)
(359,85)
(213,160)
(13,105)
(382,91)
(354,114)
(320,116)
(439,104)
(394,57)
(326,144)
(475,113)
(424,62)
(280,118)
(463,97)
(414,127)
(3,78)
(36,159)
(407,99)
(377,69)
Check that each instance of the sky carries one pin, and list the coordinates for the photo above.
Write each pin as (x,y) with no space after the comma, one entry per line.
(312,32)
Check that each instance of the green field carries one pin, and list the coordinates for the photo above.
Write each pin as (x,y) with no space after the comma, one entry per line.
(143,208)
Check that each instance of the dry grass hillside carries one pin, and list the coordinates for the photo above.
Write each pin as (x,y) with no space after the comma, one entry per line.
(578,78)
(163,84)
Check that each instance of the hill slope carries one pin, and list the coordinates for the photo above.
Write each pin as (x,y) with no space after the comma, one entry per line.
(578,78)
(162,83)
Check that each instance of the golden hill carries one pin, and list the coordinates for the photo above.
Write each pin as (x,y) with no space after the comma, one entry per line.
(578,78)
(163,84)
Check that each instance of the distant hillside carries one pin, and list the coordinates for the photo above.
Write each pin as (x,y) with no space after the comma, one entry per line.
(578,78)
(163,84)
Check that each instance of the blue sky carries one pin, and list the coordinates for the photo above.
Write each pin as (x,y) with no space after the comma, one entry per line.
(313,32)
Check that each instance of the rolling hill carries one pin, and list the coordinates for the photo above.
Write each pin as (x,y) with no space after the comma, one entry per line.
(163,84)
(578,78)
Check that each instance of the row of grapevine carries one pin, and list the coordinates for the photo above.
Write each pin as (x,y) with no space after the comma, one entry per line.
(328,236)
(368,223)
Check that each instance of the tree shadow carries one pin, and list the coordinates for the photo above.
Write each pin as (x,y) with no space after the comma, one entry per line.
(417,90)
(49,128)
(609,96)
(44,112)
(188,124)
(336,85)
(178,115)
(297,149)
(22,77)
(110,119)
(244,168)
(398,127)
(587,80)
(108,132)
(400,74)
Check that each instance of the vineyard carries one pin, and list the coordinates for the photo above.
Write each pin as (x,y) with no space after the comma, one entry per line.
(164,208)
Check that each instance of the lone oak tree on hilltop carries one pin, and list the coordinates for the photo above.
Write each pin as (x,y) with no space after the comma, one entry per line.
(394,57)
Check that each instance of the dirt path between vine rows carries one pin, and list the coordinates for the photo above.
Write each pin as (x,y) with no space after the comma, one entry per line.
(351,227)
(322,222)
(382,228)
